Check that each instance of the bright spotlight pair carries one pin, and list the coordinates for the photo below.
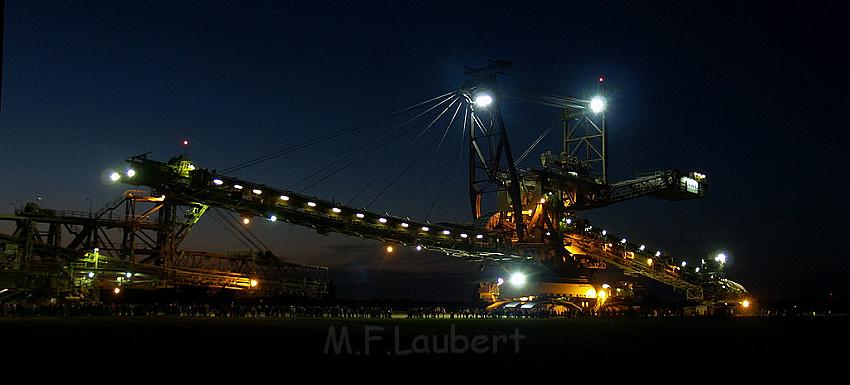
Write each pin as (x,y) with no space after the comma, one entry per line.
(115,176)
(597,104)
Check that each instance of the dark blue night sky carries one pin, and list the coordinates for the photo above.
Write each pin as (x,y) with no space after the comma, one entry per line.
(756,97)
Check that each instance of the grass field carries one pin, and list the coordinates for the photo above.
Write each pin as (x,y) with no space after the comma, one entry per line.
(196,348)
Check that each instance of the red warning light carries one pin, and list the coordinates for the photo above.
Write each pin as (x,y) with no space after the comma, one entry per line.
(601,78)
(185,142)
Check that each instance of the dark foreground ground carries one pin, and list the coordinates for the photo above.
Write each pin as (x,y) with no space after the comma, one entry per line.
(245,350)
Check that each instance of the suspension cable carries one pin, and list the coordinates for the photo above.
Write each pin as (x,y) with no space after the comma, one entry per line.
(230,231)
(412,161)
(327,137)
(533,145)
(365,145)
(353,161)
(225,222)
(431,160)
(449,171)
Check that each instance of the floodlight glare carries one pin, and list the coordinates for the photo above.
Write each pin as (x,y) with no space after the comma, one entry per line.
(720,258)
(518,279)
(114,176)
(131,173)
(597,104)
(483,100)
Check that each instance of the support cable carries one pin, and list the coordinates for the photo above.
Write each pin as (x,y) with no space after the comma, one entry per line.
(533,145)
(227,227)
(430,161)
(353,161)
(366,145)
(412,161)
(312,142)
(449,171)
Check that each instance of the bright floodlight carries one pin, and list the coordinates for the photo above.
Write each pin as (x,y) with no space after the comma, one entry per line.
(114,176)
(745,304)
(518,279)
(273,218)
(597,104)
(500,281)
(483,100)
(91,274)
(117,290)
(218,182)
(720,258)
(131,173)
(128,274)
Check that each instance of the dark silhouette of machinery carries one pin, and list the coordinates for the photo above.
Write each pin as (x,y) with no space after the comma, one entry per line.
(534,223)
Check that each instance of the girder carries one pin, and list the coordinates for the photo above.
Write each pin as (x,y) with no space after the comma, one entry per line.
(476,243)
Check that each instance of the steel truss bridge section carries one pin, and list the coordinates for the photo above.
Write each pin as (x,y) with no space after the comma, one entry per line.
(55,251)
(205,187)
(201,186)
